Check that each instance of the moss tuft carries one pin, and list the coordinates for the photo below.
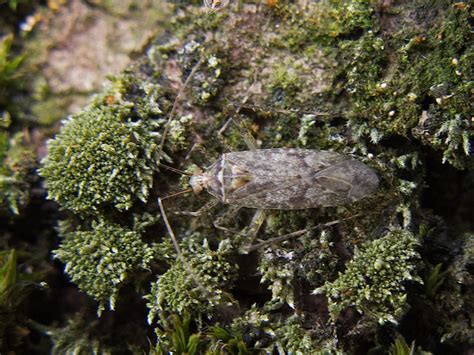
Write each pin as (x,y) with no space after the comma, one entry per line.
(291,338)
(374,281)
(99,259)
(414,84)
(101,156)
(17,161)
(194,287)
(277,269)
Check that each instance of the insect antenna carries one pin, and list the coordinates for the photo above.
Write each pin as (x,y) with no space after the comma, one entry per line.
(170,231)
(297,233)
(177,193)
(254,107)
(175,105)
(175,170)
(178,249)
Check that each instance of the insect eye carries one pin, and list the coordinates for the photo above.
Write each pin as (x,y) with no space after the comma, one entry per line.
(197,189)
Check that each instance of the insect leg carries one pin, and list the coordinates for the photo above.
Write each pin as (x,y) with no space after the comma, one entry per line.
(175,106)
(170,231)
(226,216)
(220,134)
(245,133)
(251,233)
(284,237)
(208,206)
(247,136)
(255,225)
(298,233)
(194,276)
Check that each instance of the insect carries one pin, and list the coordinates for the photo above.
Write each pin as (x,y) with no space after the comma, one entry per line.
(286,179)
(216,4)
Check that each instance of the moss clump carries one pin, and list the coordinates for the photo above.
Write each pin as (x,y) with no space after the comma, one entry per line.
(415,84)
(9,72)
(16,163)
(346,91)
(102,156)
(16,287)
(374,280)
(319,261)
(454,302)
(100,258)
(265,330)
(277,269)
(290,337)
(175,337)
(194,287)
(77,337)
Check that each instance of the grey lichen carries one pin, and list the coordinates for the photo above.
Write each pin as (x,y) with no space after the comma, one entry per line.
(195,284)
(100,258)
(374,281)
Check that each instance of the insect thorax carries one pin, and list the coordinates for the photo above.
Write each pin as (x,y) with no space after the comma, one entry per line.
(221,179)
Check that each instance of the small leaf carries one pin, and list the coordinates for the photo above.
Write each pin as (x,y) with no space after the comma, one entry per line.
(8,275)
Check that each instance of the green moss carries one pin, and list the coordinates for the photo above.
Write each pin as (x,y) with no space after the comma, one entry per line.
(195,287)
(374,281)
(454,304)
(273,334)
(285,77)
(210,81)
(422,91)
(223,340)
(350,86)
(101,156)
(318,261)
(324,23)
(17,160)
(290,337)
(175,336)
(16,163)
(433,279)
(100,259)
(78,337)
(278,271)
(15,288)
(9,70)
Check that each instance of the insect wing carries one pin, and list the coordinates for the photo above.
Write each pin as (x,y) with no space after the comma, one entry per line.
(295,179)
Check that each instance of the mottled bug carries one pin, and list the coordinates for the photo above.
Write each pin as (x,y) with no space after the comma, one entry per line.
(215,4)
(286,179)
